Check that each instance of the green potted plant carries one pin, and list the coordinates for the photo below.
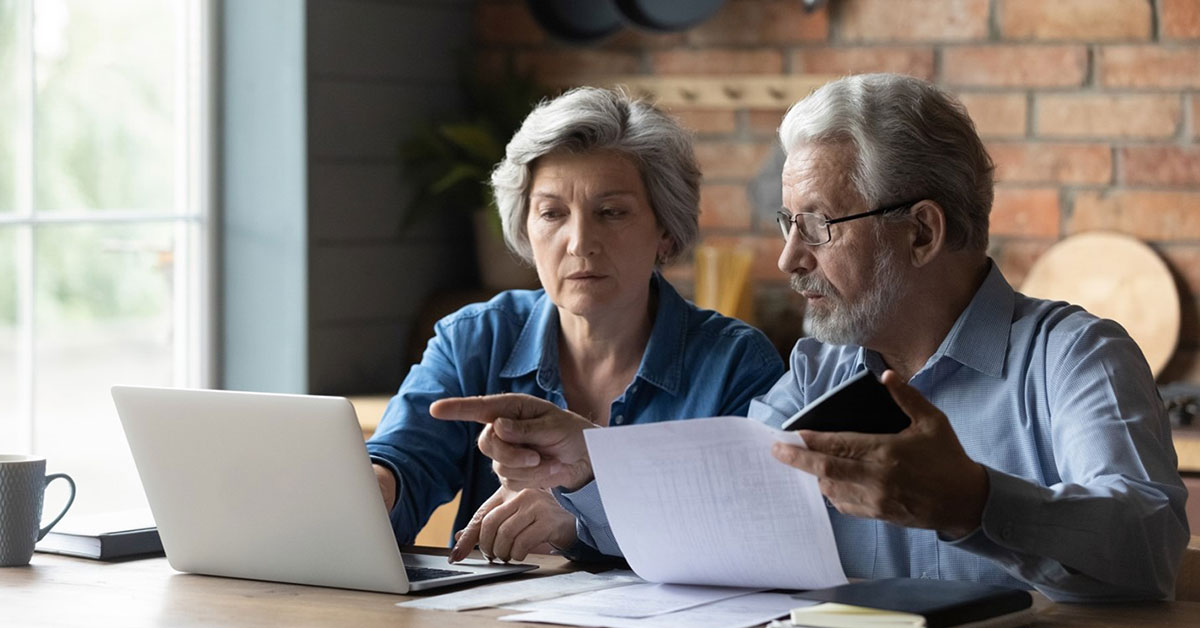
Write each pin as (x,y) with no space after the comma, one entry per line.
(450,161)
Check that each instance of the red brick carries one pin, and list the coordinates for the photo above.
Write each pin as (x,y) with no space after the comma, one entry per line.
(910,60)
(758,22)
(766,253)
(724,206)
(1180,19)
(641,39)
(1148,66)
(1016,256)
(1108,115)
(765,122)
(706,121)
(1029,212)
(910,20)
(1146,214)
(1018,162)
(731,160)
(1014,66)
(997,115)
(507,23)
(717,61)
(1159,165)
(1074,20)
(575,66)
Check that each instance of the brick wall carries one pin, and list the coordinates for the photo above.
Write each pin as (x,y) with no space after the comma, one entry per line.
(1090,108)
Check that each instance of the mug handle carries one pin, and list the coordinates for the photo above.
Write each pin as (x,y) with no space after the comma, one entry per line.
(70,500)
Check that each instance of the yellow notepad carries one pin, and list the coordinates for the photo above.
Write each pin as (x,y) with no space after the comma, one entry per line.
(833,615)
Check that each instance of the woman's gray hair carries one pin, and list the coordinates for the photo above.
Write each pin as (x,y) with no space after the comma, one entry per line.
(589,119)
(912,141)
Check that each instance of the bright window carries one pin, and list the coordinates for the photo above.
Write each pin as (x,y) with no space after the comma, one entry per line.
(104,224)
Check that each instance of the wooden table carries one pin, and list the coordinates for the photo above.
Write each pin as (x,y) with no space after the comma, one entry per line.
(62,591)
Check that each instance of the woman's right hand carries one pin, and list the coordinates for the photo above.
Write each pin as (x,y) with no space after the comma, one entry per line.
(512,524)
(532,442)
(387,485)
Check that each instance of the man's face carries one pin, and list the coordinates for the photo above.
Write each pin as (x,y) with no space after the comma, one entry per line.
(852,282)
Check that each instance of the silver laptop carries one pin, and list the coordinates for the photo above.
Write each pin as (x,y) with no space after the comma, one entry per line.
(272,487)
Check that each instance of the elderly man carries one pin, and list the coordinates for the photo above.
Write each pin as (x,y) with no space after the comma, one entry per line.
(1039,452)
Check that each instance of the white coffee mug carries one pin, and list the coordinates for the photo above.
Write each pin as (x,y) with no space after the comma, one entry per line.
(23,482)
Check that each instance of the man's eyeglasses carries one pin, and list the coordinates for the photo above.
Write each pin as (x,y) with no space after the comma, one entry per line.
(814,228)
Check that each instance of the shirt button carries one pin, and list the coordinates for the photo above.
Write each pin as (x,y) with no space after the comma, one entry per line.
(1007,531)
(619,420)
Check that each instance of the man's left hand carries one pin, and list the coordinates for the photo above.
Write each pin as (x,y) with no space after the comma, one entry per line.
(919,478)
(532,442)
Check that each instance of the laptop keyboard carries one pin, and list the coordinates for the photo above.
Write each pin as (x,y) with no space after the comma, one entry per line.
(416,574)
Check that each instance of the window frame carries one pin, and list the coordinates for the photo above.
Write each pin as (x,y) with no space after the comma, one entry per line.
(193,215)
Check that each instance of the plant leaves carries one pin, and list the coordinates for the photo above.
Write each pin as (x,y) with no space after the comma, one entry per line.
(475,139)
(457,174)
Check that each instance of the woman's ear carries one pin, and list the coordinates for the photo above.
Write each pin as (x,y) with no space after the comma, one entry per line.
(929,232)
(666,247)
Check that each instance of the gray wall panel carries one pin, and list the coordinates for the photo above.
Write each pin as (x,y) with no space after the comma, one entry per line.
(372,282)
(355,201)
(367,121)
(360,359)
(395,41)
(376,71)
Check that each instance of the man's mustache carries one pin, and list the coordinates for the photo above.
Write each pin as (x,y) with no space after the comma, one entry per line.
(810,283)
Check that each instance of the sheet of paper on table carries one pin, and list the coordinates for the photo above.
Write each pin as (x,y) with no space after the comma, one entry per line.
(743,611)
(703,501)
(525,590)
(636,600)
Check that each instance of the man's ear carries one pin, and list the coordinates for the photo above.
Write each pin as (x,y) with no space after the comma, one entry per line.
(928,236)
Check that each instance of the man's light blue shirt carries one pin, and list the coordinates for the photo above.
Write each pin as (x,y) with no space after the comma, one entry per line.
(1085,502)
(696,363)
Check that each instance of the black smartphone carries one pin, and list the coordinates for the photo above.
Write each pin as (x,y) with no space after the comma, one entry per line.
(860,404)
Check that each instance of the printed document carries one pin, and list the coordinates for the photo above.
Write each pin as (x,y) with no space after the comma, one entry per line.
(743,611)
(703,501)
(525,590)
(637,600)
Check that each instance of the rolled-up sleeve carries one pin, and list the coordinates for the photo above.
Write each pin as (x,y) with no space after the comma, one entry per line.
(591,524)
(426,455)
(1114,527)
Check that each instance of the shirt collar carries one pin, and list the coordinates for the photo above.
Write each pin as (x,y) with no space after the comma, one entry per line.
(536,348)
(979,338)
(662,363)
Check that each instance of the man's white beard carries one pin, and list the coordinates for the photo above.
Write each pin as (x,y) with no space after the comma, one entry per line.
(842,323)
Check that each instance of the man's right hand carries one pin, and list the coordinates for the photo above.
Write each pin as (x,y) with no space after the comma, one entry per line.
(532,442)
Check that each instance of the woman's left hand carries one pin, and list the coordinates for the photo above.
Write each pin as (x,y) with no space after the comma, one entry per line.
(512,524)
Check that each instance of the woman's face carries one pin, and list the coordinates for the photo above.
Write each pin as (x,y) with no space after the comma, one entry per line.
(594,235)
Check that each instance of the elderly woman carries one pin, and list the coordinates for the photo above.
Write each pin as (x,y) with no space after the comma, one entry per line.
(597,190)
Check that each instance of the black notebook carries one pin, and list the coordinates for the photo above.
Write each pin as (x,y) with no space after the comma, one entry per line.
(915,602)
(104,537)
